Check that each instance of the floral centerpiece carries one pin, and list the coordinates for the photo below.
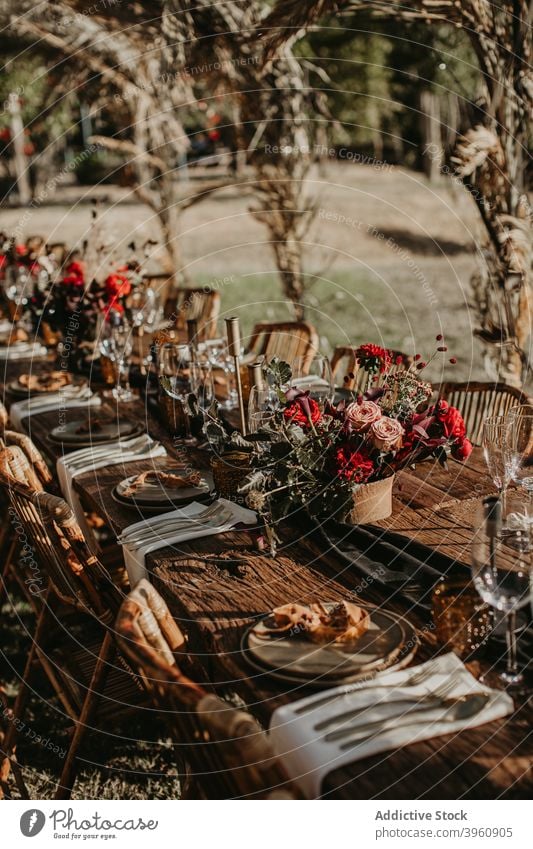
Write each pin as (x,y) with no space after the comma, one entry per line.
(331,460)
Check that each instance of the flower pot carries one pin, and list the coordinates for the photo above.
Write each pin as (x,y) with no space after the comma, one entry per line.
(371,502)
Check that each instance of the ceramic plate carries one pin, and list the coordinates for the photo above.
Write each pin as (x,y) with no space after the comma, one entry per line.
(107,431)
(388,641)
(156,495)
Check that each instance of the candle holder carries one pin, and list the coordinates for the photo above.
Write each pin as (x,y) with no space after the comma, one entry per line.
(234,350)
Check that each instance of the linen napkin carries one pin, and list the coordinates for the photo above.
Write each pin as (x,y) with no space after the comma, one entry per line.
(135,555)
(69,396)
(309,382)
(308,757)
(23,351)
(89,459)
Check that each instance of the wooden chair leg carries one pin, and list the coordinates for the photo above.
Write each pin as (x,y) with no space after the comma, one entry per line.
(68,773)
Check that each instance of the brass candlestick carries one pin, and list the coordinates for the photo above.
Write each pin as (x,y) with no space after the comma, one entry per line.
(234,350)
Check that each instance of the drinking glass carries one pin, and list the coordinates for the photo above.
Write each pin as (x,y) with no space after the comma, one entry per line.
(174,369)
(316,378)
(519,447)
(116,345)
(493,441)
(502,568)
(202,384)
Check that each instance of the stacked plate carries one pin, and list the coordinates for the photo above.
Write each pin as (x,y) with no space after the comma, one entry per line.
(87,432)
(389,643)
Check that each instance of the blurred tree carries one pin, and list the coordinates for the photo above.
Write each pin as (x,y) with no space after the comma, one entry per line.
(491,157)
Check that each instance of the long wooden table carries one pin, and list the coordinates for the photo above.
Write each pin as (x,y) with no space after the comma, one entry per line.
(217,586)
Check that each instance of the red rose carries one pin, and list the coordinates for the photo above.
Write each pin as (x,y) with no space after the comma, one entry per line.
(462,449)
(352,465)
(450,420)
(303,411)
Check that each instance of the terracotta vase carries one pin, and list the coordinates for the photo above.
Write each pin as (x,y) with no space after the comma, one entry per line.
(371,502)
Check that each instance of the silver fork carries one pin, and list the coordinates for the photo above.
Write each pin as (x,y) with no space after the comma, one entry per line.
(215,523)
(100,453)
(415,678)
(162,523)
(440,697)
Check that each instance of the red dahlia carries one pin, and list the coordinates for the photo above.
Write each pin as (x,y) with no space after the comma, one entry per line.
(373,358)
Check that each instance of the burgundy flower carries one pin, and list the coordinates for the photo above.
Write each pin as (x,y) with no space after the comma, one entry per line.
(352,465)
(303,410)
(373,358)
(450,419)
(462,449)
(74,275)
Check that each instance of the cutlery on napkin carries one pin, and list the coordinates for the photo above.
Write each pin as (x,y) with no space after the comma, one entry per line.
(99,457)
(321,733)
(69,396)
(22,351)
(190,522)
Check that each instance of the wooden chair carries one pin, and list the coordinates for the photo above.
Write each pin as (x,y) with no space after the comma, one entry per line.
(162,284)
(475,401)
(288,340)
(347,374)
(16,568)
(227,750)
(203,305)
(94,684)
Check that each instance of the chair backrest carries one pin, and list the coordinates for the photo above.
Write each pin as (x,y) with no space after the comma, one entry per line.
(160,283)
(203,305)
(55,543)
(16,465)
(347,373)
(288,340)
(36,459)
(475,401)
(227,749)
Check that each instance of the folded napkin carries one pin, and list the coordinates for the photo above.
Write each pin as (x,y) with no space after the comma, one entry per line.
(134,555)
(310,382)
(89,459)
(308,757)
(22,351)
(69,396)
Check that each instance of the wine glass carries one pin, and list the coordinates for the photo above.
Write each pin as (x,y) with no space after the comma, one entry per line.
(202,384)
(117,346)
(174,369)
(502,568)
(145,311)
(315,378)
(519,447)
(493,442)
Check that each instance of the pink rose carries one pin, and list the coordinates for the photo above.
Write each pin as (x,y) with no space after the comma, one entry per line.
(386,434)
(362,415)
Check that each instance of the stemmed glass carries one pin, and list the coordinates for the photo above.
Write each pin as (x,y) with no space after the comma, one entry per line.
(145,311)
(174,369)
(202,383)
(493,441)
(316,378)
(116,345)
(502,569)
(519,447)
